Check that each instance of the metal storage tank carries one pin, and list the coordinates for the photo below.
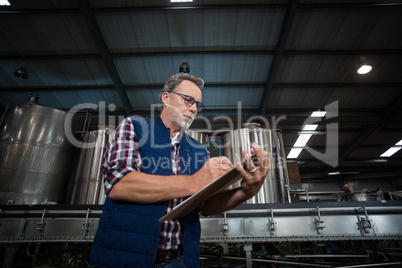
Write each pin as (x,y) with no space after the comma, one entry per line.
(235,141)
(35,155)
(88,186)
(198,135)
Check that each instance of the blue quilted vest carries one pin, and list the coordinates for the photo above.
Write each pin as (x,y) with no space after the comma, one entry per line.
(128,233)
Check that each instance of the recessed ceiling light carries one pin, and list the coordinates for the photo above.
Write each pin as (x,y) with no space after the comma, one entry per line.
(294,153)
(310,127)
(376,161)
(318,114)
(333,173)
(181,1)
(392,150)
(301,141)
(364,69)
(343,173)
(4,3)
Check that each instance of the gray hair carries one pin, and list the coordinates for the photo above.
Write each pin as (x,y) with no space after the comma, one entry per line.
(175,80)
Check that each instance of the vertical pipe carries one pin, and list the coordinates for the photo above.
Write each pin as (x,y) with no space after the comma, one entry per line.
(4,114)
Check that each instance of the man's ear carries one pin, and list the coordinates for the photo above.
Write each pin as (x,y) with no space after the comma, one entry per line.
(165,97)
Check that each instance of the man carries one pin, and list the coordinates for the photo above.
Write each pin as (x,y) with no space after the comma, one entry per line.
(150,167)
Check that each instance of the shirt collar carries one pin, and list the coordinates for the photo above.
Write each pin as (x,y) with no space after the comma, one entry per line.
(178,136)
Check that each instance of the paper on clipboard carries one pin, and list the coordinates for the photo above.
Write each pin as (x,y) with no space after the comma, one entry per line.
(198,198)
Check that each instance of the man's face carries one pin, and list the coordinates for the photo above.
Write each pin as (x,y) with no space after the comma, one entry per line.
(178,112)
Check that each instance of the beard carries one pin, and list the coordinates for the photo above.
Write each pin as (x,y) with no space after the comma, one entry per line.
(180,119)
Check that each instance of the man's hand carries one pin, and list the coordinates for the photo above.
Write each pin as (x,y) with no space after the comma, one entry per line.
(212,169)
(254,176)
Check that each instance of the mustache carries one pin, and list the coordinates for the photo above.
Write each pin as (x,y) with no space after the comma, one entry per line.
(189,115)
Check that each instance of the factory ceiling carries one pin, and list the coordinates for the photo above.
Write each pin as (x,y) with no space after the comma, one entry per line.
(274,62)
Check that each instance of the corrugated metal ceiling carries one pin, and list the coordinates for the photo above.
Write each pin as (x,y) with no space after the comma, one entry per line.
(279,58)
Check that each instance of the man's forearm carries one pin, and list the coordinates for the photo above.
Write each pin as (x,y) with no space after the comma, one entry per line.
(144,188)
(223,201)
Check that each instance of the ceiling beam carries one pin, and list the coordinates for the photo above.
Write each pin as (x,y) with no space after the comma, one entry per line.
(380,86)
(161,53)
(15,10)
(198,51)
(337,85)
(104,51)
(280,47)
(298,114)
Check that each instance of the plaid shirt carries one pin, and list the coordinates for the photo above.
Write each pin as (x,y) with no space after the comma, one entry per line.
(123,156)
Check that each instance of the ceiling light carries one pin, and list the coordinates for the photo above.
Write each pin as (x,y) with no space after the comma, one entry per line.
(181,1)
(364,67)
(184,68)
(333,173)
(302,140)
(376,161)
(343,173)
(4,3)
(294,153)
(298,146)
(392,150)
(310,127)
(318,114)
(21,72)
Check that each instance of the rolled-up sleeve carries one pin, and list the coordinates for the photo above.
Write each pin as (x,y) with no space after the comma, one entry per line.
(122,155)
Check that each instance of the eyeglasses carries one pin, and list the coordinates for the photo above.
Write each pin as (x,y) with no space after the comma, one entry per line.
(189,101)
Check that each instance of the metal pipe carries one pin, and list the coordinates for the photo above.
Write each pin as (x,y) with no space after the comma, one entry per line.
(330,209)
(354,251)
(83,127)
(95,211)
(288,193)
(269,261)
(371,265)
(4,114)
(284,166)
(327,192)
(323,256)
(48,211)
(302,190)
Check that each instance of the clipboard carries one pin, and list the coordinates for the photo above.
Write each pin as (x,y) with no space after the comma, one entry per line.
(202,195)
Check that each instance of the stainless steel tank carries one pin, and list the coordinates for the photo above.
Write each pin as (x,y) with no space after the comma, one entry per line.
(236,141)
(198,135)
(35,155)
(89,186)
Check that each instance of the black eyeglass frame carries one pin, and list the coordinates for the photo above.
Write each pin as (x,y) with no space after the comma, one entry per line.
(200,105)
